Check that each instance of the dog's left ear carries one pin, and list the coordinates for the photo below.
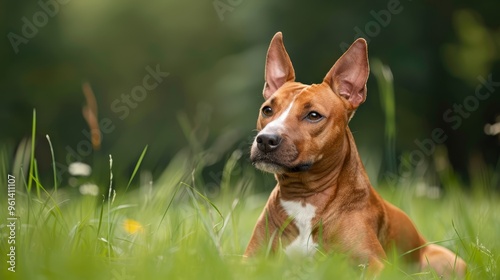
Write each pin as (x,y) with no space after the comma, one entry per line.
(349,74)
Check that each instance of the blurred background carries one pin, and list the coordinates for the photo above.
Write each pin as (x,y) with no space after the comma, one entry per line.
(188,75)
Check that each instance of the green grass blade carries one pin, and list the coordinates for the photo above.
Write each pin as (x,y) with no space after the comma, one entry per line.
(101,214)
(168,206)
(206,199)
(32,158)
(50,198)
(137,165)
(35,177)
(208,227)
(53,162)
(110,201)
(385,84)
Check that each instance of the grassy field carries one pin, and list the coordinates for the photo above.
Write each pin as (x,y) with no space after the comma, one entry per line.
(170,229)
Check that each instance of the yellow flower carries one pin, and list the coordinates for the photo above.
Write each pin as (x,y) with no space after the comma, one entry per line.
(132,226)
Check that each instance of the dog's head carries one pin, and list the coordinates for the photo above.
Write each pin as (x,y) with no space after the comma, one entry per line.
(301,125)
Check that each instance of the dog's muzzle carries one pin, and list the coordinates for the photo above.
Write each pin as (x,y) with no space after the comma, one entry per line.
(274,154)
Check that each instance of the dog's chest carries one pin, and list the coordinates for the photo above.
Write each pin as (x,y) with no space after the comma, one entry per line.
(302,216)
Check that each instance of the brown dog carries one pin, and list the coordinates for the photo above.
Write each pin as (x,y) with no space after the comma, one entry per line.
(323,195)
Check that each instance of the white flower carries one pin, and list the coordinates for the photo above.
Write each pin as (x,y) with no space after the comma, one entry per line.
(89,189)
(79,169)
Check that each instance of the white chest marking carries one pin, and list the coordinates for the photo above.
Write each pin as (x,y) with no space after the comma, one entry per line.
(302,217)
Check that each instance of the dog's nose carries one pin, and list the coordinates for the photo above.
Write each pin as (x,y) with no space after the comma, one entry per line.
(268,142)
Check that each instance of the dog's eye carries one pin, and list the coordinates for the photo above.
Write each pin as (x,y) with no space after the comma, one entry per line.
(314,116)
(267,111)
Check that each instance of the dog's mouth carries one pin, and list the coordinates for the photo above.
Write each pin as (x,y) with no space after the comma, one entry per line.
(272,166)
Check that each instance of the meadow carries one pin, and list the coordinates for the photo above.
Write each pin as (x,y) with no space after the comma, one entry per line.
(171,228)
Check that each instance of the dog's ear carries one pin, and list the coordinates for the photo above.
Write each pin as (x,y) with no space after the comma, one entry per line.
(279,69)
(349,74)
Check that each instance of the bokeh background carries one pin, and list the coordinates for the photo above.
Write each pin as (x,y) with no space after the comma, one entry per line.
(439,53)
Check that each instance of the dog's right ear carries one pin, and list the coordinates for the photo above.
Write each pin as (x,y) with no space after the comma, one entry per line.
(279,69)
(349,74)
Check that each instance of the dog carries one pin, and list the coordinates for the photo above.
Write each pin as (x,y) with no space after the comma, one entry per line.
(323,194)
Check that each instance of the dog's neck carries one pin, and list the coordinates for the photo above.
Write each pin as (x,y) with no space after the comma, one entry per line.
(327,179)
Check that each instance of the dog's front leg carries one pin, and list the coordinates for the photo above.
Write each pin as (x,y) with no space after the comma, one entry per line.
(262,235)
(356,238)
